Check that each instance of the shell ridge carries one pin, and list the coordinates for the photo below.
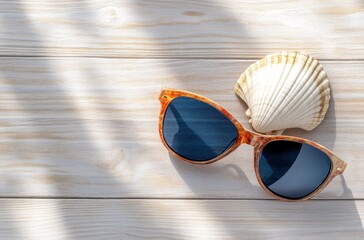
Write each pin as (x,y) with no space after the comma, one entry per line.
(284,90)
(303,94)
(311,90)
(276,97)
(288,96)
(261,63)
(274,65)
(300,95)
(304,116)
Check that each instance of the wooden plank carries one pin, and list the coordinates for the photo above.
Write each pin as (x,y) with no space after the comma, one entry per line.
(179,219)
(209,29)
(87,127)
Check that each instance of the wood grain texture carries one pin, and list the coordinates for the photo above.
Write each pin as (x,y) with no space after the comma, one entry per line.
(79,118)
(88,127)
(179,219)
(192,29)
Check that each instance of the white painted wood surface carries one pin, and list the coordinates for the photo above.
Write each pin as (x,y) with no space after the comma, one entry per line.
(208,29)
(79,82)
(179,219)
(87,127)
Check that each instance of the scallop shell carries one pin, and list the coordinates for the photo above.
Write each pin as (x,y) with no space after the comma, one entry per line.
(284,90)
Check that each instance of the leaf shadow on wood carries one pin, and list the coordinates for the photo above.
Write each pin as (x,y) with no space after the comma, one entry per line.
(60,152)
(96,166)
(202,180)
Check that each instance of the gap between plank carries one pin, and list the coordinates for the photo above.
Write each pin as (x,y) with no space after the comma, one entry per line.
(166,58)
(166,198)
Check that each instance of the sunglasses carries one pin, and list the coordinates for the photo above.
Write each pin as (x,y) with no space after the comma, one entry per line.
(199,131)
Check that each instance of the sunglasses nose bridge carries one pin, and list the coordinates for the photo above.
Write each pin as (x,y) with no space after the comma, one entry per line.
(246,137)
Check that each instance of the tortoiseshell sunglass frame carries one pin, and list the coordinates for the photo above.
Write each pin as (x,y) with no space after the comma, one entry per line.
(258,141)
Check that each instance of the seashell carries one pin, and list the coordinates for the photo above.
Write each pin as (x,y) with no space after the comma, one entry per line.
(284,90)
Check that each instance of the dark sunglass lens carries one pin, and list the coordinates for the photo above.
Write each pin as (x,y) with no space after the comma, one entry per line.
(197,131)
(291,169)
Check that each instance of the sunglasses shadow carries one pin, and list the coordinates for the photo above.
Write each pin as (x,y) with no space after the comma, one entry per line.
(205,179)
(216,180)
